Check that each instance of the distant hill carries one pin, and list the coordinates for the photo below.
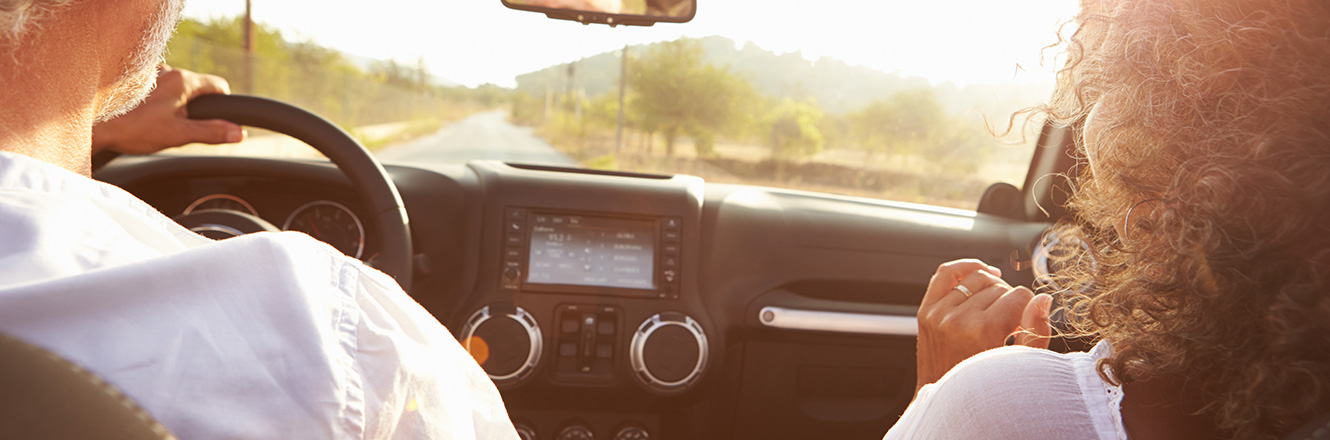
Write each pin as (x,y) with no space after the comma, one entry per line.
(834,84)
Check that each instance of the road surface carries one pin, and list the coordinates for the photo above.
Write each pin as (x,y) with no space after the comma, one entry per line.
(480,136)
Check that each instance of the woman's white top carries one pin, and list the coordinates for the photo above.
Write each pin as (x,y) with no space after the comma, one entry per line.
(1018,393)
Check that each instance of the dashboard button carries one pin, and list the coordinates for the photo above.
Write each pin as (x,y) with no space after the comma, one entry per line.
(515,227)
(512,253)
(672,224)
(569,324)
(669,275)
(671,236)
(671,248)
(515,214)
(568,349)
(513,239)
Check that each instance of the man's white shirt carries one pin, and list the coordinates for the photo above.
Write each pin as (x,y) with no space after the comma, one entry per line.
(271,335)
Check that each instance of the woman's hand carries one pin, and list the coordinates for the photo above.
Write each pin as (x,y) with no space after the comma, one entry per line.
(958,322)
(161,122)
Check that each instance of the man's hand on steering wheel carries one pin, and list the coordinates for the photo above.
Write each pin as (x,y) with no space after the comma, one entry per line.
(162,122)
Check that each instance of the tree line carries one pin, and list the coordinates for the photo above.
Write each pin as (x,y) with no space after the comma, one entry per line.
(674,92)
(321,79)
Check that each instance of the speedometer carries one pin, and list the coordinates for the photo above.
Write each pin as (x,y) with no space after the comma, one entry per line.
(221,201)
(331,223)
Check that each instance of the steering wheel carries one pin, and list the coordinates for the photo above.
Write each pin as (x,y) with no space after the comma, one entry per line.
(367,175)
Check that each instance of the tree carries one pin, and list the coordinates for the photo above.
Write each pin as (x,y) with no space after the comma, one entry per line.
(906,122)
(527,109)
(677,93)
(215,46)
(395,74)
(794,130)
(964,150)
(319,78)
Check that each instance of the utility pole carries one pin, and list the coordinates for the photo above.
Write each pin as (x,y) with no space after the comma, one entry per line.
(549,102)
(623,85)
(575,91)
(248,80)
(420,85)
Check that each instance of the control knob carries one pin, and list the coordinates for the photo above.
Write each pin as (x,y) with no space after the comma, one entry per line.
(524,432)
(668,352)
(575,432)
(506,342)
(632,432)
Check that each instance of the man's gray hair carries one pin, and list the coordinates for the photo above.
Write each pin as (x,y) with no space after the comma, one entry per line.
(19,16)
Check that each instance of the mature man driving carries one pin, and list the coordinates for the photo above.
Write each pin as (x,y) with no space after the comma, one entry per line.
(264,336)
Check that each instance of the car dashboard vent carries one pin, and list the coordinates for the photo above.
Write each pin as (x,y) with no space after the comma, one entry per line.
(587,171)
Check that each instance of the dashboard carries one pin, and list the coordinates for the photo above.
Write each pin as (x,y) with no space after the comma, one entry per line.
(627,306)
(331,215)
(328,221)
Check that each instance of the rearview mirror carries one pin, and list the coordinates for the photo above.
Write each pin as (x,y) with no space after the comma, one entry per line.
(611,12)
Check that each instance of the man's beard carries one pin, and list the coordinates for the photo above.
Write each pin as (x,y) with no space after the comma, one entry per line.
(140,68)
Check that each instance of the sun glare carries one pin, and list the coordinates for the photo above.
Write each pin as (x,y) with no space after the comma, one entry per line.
(477,42)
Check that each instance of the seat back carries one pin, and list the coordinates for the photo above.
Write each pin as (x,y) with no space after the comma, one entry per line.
(44,396)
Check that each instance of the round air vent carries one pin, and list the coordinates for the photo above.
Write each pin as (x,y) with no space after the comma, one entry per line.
(668,352)
(506,342)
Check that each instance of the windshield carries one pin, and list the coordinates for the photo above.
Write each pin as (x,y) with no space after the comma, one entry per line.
(889,100)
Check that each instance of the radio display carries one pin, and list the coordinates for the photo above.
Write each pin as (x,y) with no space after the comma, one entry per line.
(592,251)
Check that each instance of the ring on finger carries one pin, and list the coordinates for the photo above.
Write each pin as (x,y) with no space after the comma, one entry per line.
(963,290)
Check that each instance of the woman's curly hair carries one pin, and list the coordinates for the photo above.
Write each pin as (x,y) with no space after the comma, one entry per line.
(1215,119)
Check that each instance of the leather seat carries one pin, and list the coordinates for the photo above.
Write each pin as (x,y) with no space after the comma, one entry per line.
(44,396)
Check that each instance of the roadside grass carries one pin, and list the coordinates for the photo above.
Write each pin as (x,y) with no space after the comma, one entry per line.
(394,133)
(408,130)
(264,143)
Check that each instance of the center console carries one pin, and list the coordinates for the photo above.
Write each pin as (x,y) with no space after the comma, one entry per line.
(594,295)
(591,253)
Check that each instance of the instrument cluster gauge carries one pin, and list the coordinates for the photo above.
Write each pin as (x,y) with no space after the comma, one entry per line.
(221,201)
(329,222)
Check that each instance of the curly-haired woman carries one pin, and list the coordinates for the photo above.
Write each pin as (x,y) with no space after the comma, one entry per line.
(1205,208)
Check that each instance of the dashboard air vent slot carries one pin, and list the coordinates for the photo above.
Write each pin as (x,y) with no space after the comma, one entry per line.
(555,169)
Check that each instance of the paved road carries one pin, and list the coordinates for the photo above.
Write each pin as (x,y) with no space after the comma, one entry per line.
(480,136)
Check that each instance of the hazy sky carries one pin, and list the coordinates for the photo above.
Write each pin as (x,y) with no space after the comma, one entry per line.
(478,41)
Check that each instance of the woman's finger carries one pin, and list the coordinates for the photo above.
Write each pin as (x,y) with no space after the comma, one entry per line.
(947,276)
(981,299)
(981,284)
(1036,329)
(1009,306)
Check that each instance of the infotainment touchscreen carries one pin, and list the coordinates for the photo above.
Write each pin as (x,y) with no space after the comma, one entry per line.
(591,251)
